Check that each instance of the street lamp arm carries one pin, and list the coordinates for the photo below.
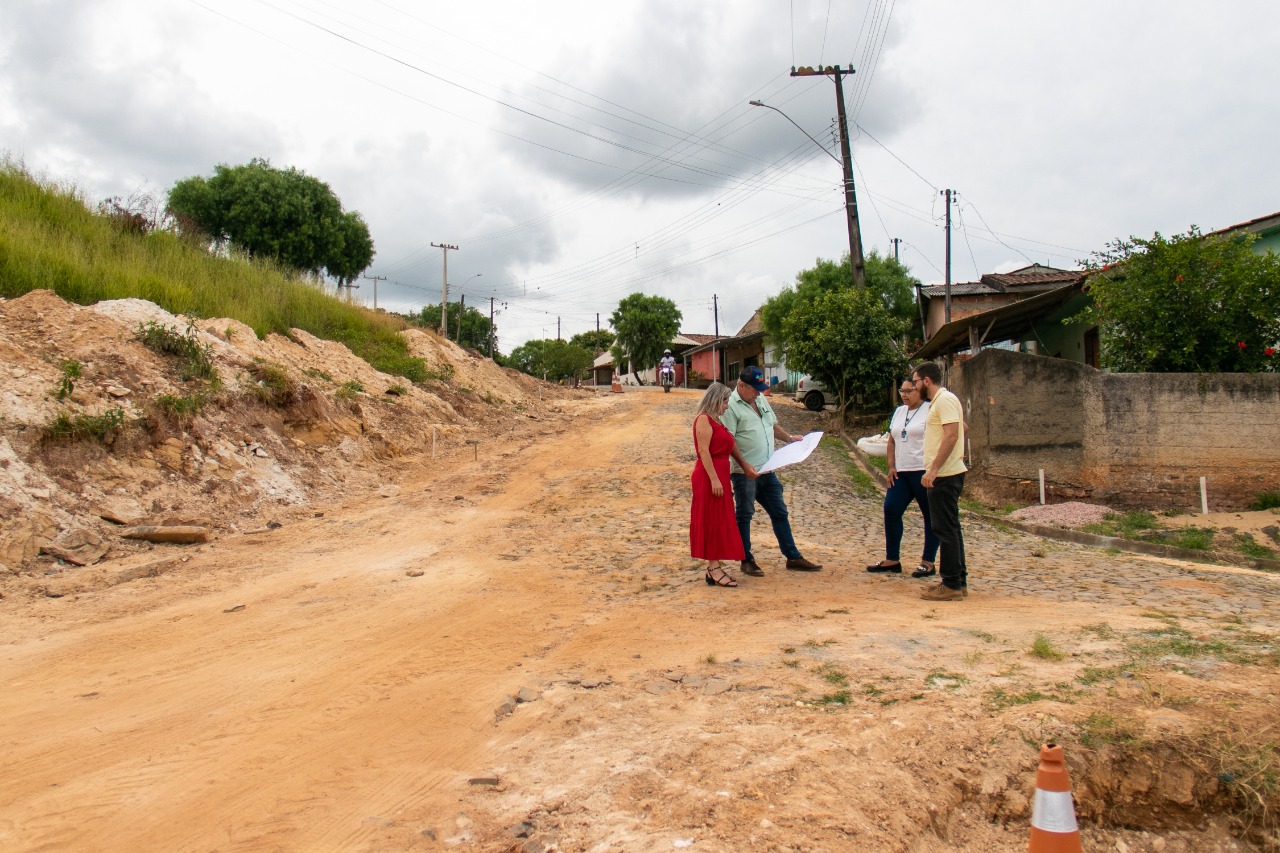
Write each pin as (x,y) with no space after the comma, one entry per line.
(798,127)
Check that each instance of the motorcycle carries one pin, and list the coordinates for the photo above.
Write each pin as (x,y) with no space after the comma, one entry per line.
(667,376)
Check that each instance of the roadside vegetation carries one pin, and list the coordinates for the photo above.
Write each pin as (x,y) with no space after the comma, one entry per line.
(51,239)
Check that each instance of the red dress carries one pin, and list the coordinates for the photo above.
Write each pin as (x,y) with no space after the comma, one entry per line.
(713,527)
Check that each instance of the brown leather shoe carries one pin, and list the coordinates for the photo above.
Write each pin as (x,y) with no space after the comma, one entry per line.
(942,592)
(800,564)
(749,567)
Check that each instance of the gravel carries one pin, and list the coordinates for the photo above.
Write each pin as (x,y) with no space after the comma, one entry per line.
(1069,514)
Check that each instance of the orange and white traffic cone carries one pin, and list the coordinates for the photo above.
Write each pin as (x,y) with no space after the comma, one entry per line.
(1053,818)
(617,385)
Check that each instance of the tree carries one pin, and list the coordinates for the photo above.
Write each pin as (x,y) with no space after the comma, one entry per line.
(596,341)
(551,359)
(889,279)
(282,214)
(645,326)
(476,328)
(1188,304)
(846,339)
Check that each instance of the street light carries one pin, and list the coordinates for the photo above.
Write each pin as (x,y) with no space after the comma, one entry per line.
(850,199)
(798,127)
(463,303)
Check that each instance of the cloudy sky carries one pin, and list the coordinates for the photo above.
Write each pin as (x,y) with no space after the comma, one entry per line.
(577,152)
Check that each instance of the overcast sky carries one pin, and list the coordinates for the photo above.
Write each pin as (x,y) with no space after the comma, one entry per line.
(577,152)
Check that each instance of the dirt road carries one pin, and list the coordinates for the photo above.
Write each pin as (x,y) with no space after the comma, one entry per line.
(306,689)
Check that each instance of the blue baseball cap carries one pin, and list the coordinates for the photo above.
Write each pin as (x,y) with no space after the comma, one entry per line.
(754,377)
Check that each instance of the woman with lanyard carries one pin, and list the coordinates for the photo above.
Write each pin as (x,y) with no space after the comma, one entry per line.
(906,467)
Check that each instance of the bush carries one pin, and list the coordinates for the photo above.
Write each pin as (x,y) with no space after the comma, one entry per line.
(75,427)
(196,358)
(272,384)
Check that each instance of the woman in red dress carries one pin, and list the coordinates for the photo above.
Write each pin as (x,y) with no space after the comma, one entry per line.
(713,529)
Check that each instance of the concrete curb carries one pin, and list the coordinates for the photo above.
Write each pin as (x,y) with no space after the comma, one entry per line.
(1065,534)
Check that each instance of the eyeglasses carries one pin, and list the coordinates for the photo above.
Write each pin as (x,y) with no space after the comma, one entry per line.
(907,390)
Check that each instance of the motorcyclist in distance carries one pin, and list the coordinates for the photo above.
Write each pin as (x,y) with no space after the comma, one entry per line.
(667,366)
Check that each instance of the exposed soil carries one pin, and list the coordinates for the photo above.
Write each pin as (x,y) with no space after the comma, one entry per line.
(507,647)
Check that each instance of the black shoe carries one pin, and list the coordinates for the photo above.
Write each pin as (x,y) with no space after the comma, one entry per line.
(923,571)
(895,568)
(749,567)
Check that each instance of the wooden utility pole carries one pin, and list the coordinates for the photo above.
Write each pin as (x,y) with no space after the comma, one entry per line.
(846,161)
(462,309)
(444,289)
(895,241)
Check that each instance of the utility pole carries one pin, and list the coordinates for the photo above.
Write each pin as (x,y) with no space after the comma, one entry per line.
(444,289)
(348,287)
(946,302)
(462,309)
(715,360)
(850,197)
(557,328)
(375,279)
(895,241)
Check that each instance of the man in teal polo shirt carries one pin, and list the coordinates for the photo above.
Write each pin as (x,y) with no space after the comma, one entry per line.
(755,427)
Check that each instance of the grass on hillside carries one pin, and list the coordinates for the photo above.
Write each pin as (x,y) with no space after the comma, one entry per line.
(50,239)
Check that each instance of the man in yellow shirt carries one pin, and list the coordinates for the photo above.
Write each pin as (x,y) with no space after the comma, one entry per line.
(944,478)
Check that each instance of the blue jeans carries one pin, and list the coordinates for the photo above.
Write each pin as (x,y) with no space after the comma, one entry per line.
(767,490)
(906,488)
(944,509)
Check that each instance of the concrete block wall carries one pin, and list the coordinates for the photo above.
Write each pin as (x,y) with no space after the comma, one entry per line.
(1122,439)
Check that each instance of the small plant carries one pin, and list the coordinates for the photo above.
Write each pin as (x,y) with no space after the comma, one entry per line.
(317,373)
(196,359)
(830,672)
(946,680)
(1265,500)
(1250,548)
(397,391)
(348,390)
(71,371)
(443,373)
(985,636)
(74,427)
(1193,538)
(1100,728)
(840,697)
(272,385)
(711,659)
(181,408)
(1044,648)
(791,662)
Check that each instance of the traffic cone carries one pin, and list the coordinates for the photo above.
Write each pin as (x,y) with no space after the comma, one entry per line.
(617,385)
(1053,817)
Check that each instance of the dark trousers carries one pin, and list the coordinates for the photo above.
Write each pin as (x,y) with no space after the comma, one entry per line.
(767,490)
(905,489)
(944,515)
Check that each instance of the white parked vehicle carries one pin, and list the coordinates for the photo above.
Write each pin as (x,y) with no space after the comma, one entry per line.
(813,394)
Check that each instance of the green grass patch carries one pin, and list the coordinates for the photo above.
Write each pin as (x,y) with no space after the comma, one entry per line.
(1265,500)
(840,697)
(51,239)
(1100,728)
(1042,647)
(863,485)
(880,462)
(1247,545)
(945,680)
(68,427)
(1193,538)
(833,674)
(181,408)
(195,359)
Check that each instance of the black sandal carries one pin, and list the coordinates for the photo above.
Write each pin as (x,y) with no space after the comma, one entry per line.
(923,571)
(725,578)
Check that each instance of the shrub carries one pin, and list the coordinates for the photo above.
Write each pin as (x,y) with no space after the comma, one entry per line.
(71,371)
(196,358)
(75,427)
(1266,500)
(272,384)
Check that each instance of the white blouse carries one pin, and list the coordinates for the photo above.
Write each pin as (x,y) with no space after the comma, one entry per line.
(908,453)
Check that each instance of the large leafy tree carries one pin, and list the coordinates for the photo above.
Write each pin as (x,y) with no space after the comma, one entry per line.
(282,214)
(645,326)
(847,339)
(1186,304)
(596,341)
(890,280)
(476,328)
(551,359)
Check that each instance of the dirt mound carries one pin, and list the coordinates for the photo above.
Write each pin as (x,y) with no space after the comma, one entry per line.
(291,420)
